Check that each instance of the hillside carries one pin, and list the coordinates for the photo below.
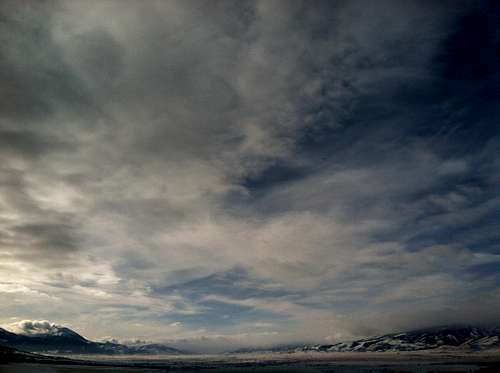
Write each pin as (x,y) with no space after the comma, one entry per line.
(63,340)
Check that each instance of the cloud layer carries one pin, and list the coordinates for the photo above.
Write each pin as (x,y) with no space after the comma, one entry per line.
(250,173)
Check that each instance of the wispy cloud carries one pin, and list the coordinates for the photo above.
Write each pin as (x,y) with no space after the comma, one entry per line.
(274,170)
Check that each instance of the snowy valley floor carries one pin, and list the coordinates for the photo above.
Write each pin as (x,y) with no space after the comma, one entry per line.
(295,362)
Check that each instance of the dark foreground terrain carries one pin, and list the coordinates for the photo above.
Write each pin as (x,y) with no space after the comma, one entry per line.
(295,362)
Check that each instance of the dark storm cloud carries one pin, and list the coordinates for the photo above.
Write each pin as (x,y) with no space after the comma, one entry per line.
(25,143)
(308,168)
(34,77)
(59,237)
(36,85)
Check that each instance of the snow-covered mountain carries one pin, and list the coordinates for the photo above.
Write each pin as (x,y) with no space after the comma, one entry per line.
(445,337)
(62,340)
(153,349)
(277,348)
(460,338)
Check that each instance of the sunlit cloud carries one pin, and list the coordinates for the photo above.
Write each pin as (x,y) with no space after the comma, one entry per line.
(261,172)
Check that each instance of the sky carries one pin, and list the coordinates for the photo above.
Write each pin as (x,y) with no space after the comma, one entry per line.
(223,174)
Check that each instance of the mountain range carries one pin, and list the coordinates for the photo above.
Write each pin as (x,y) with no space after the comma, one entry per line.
(444,337)
(460,338)
(62,340)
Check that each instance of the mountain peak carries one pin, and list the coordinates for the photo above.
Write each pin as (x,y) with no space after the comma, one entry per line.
(43,336)
(44,328)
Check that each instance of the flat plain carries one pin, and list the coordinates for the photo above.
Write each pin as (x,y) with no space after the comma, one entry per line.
(281,362)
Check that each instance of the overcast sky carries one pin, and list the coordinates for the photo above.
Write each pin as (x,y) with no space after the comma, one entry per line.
(249,172)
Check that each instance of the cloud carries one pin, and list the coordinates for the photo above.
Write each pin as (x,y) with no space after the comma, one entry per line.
(312,168)
(33,327)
